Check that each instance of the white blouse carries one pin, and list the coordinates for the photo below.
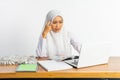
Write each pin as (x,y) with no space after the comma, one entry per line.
(41,48)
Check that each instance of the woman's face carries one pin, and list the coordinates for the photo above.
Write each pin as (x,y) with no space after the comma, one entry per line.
(57,24)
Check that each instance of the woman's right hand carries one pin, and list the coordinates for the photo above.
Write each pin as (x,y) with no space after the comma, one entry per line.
(46,29)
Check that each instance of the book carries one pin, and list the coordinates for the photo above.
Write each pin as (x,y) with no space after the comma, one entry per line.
(27,67)
(52,65)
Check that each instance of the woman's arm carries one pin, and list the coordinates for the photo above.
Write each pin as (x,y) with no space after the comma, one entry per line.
(75,42)
(41,48)
(46,29)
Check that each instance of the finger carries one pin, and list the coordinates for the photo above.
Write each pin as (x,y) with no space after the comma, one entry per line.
(48,23)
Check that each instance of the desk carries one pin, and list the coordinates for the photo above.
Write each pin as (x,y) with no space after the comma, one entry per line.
(99,71)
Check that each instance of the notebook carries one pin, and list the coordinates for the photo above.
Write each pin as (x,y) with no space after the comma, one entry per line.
(27,67)
(52,65)
(92,54)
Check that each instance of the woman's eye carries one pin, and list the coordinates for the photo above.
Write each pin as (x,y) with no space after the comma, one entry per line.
(60,22)
(54,22)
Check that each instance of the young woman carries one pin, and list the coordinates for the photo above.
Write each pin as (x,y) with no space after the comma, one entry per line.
(55,42)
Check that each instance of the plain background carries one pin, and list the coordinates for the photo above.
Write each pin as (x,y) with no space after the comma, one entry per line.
(21,22)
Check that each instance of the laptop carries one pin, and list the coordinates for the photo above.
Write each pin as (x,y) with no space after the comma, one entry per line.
(91,54)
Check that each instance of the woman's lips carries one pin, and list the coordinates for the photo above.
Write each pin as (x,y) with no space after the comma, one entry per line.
(57,29)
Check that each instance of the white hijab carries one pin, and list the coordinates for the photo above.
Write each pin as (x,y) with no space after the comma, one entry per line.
(57,43)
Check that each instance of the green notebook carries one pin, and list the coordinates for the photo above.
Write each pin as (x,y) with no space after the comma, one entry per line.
(27,67)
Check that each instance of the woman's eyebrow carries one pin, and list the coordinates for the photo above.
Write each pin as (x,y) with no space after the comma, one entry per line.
(60,20)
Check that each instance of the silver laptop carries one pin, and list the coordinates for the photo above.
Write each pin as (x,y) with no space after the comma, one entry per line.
(92,54)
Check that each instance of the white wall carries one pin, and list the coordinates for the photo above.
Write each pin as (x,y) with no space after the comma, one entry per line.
(90,20)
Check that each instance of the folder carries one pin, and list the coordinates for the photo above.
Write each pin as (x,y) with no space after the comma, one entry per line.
(27,68)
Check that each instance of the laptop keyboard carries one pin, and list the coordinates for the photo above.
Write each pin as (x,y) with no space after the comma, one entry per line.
(70,58)
(75,62)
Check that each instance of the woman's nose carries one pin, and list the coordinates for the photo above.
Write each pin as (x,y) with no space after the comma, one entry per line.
(57,25)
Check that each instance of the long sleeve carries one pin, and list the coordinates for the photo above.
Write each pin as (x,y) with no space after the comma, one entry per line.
(75,42)
(41,48)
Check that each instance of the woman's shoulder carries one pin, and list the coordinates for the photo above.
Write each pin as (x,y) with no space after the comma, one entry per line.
(72,36)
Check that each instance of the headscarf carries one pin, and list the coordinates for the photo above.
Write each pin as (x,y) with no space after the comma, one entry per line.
(57,43)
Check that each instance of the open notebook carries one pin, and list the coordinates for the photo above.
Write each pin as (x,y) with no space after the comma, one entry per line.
(52,65)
